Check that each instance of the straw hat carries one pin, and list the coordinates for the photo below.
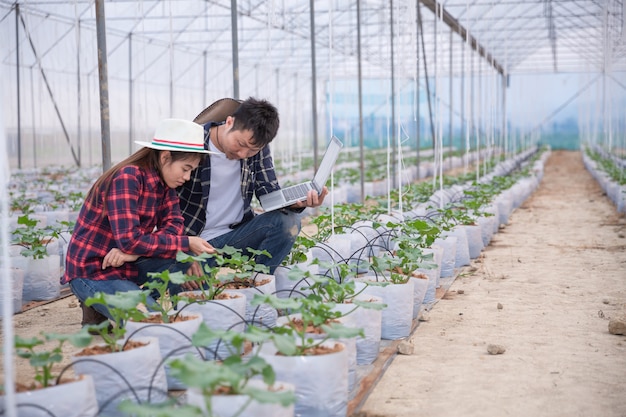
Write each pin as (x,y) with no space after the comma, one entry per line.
(177,135)
(218,111)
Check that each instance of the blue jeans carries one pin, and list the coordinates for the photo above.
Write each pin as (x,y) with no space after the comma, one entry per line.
(273,231)
(84,288)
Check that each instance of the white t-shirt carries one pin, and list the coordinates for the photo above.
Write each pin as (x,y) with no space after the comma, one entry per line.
(225,205)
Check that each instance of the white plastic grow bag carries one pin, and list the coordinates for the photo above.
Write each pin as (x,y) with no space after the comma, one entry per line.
(321,381)
(461,255)
(174,339)
(397,317)
(137,374)
(41,277)
(288,288)
(240,405)
(449,255)
(69,399)
(222,314)
(17,286)
(262,315)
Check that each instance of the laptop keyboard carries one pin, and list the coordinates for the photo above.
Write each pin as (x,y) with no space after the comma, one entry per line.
(296,192)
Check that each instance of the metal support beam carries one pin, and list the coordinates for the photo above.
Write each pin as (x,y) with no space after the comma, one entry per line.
(454,24)
(103,77)
(418,126)
(17,68)
(235,46)
(49,88)
(130,93)
(313,81)
(430,107)
(360,93)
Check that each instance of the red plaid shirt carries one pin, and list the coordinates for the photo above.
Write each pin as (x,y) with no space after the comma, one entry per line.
(143,218)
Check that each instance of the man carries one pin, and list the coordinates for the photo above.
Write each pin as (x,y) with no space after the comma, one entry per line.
(216,202)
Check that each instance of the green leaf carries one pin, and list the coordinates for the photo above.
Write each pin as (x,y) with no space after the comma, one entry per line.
(370,305)
(284,398)
(339,331)
(167,409)
(285,344)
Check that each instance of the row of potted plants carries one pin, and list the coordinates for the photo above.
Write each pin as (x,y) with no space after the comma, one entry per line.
(609,171)
(370,264)
(182,344)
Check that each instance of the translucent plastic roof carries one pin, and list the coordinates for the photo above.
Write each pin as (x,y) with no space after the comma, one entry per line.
(514,36)
(171,58)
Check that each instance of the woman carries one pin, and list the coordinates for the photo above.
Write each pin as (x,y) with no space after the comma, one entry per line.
(130,223)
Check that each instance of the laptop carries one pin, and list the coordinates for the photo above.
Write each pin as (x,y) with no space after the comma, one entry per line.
(290,195)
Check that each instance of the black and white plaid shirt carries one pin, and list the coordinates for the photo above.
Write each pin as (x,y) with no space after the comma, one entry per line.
(257,177)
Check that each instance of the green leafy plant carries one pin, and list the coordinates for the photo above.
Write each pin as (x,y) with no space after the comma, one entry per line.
(294,338)
(166,301)
(231,376)
(209,285)
(298,253)
(238,267)
(34,239)
(43,361)
(343,291)
(122,306)
(169,408)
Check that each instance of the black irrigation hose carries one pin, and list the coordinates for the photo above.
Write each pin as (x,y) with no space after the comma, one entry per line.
(203,302)
(115,371)
(38,407)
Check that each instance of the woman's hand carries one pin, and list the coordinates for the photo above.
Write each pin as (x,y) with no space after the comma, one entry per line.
(199,245)
(117,258)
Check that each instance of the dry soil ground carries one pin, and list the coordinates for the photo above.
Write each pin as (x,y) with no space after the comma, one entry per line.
(558,271)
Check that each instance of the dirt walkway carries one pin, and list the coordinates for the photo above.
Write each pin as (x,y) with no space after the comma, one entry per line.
(558,272)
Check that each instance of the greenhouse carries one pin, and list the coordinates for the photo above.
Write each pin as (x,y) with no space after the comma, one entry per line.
(458,249)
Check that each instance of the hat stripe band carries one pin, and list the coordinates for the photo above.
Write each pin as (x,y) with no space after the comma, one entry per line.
(181,145)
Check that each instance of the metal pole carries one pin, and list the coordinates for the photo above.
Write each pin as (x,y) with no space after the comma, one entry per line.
(313,80)
(17,67)
(462,102)
(430,109)
(235,46)
(130,93)
(79,94)
(360,92)
(104,85)
(505,133)
(418,126)
(451,107)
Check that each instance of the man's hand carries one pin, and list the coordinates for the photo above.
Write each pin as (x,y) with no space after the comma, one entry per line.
(312,199)
(117,258)
(195,270)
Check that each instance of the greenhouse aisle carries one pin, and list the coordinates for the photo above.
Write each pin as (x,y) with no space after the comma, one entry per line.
(544,290)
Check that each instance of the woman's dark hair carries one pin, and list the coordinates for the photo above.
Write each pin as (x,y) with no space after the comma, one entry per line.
(258,116)
(146,158)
